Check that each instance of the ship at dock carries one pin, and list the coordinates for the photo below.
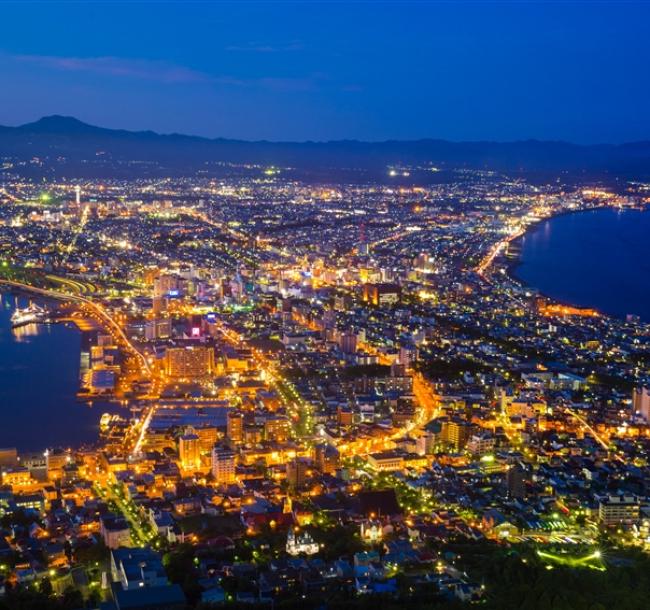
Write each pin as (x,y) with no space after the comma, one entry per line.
(32,314)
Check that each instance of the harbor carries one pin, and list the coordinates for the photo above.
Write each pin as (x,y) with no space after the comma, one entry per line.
(41,366)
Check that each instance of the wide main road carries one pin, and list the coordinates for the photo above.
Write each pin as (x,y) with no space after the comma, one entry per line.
(96,308)
(426,398)
(299,410)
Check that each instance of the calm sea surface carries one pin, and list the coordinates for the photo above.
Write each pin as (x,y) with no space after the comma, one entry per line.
(39,377)
(598,259)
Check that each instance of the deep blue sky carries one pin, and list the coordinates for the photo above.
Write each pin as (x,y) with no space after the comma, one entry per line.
(577,71)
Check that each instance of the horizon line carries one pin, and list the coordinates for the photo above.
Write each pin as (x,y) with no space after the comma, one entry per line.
(313,141)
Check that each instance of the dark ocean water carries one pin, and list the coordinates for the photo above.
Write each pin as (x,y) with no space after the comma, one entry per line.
(598,259)
(39,378)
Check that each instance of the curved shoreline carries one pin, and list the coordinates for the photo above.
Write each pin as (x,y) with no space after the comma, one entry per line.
(513,265)
(45,410)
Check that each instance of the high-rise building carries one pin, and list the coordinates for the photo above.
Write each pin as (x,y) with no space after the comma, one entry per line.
(158,305)
(326,457)
(208,437)
(189,362)
(641,402)
(457,433)
(348,342)
(426,443)
(189,451)
(516,481)
(481,443)
(277,428)
(613,510)
(234,426)
(166,285)
(157,329)
(407,355)
(298,471)
(223,465)
(382,294)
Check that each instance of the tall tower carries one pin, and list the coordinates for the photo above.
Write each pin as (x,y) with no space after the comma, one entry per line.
(223,465)
(516,481)
(77,194)
(234,427)
(189,451)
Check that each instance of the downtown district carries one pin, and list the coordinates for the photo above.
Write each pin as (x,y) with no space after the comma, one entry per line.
(326,391)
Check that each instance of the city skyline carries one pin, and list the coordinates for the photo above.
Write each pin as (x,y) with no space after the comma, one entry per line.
(324,305)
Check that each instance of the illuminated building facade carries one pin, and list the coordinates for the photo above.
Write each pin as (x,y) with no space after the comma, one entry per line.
(382,294)
(613,510)
(234,426)
(189,451)
(189,362)
(223,465)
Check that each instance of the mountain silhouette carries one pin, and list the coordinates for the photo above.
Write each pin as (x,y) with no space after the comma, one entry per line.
(57,140)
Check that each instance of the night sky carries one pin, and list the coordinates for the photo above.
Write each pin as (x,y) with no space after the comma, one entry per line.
(577,71)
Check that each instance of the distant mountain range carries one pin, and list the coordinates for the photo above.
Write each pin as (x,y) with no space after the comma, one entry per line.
(69,146)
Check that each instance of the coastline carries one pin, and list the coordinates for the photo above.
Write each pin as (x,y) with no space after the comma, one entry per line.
(512,265)
(40,370)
